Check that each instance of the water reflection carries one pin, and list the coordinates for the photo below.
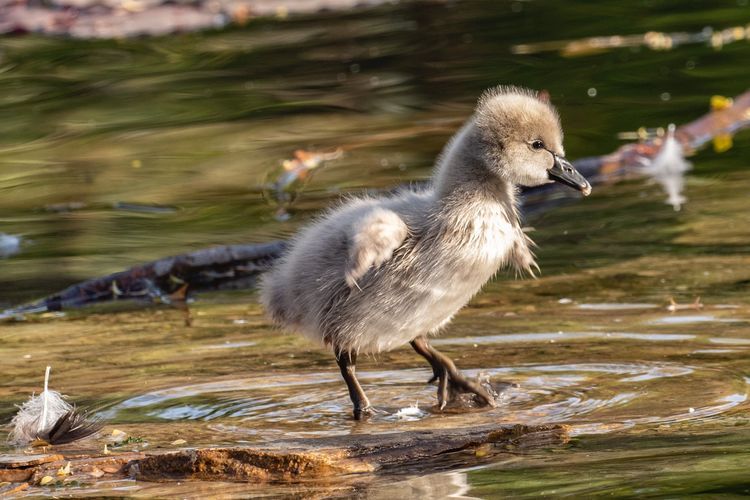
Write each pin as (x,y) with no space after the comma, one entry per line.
(696,318)
(617,306)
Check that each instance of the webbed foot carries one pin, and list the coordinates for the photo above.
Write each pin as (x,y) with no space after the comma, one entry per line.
(451,385)
(451,382)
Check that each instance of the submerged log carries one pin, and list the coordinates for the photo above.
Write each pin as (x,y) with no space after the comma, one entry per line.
(306,459)
(325,457)
(168,280)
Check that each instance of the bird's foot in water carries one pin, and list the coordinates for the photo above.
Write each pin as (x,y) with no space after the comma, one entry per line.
(452,387)
(452,384)
(366,412)
(460,399)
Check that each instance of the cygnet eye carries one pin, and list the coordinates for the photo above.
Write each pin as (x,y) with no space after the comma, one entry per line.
(537,144)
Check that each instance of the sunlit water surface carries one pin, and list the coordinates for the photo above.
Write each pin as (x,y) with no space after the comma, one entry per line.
(116,153)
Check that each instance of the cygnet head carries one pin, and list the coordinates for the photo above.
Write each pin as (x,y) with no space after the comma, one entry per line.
(521,139)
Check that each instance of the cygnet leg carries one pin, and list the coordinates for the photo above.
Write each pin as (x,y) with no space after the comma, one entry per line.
(450,380)
(347,363)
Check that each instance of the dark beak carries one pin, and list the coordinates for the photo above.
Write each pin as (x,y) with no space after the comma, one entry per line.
(565,173)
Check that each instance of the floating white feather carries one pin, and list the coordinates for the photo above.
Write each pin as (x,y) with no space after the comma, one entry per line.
(37,416)
(9,245)
(668,169)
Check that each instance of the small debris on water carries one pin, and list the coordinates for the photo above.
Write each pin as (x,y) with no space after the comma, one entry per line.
(674,306)
(178,442)
(117,436)
(46,480)
(483,450)
(691,410)
(64,471)
(9,245)
(296,172)
(565,300)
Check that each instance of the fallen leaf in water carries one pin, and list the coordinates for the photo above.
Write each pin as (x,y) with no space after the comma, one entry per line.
(46,480)
(64,471)
(178,442)
(719,102)
(117,436)
(111,469)
(721,142)
(674,306)
(295,173)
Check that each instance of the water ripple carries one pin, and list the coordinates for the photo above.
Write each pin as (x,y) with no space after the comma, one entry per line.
(594,397)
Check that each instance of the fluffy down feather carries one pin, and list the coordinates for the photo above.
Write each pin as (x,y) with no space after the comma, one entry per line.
(48,417)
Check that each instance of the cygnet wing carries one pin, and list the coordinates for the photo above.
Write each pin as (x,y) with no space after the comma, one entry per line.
(372,242)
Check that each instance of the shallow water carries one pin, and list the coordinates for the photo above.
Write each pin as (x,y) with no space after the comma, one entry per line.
(116,153)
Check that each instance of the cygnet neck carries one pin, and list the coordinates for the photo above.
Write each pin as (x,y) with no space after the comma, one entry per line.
(461,173)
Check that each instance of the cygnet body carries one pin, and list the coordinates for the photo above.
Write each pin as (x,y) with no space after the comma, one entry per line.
(376,273)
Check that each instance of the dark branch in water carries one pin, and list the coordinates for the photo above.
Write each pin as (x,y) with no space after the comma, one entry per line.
(168,280)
